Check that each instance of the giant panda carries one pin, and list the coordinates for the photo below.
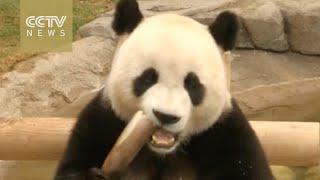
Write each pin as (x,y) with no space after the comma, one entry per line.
(172,68)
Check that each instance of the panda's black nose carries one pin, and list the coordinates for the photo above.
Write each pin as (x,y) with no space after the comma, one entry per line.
(166,118)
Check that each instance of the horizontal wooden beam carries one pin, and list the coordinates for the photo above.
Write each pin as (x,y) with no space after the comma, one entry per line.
(33,138)
(285,143)
(289,143)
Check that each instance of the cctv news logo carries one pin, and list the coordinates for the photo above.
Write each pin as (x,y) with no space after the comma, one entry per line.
(45,26)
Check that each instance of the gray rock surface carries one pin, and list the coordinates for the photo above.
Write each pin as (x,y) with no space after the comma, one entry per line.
(47,82)
(265,24)
(277,87)
(303,22)
(244,39)
(251,68)
(98,27)
(286,101)
(276,25)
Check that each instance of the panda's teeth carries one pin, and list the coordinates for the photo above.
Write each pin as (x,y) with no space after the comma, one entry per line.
(162,138)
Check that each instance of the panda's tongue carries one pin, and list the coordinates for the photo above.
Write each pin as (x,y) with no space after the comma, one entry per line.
(162,138)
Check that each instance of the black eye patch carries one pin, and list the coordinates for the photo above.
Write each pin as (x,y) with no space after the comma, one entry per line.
(194,87)
(148,78)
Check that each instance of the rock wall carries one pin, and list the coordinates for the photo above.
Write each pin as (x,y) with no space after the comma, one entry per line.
(275,25)
(44,83)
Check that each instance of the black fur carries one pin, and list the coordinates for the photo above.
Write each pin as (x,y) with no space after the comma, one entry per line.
(194,87)
(92,138)
(225,29)
(229,150)
(143,82)
(127,16)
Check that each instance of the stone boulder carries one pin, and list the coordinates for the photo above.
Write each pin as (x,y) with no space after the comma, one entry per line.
(98,27)
(49,81)
(303,24)
(265,24)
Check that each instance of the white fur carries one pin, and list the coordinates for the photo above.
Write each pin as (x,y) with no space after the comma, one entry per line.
(174,45)
(170,100)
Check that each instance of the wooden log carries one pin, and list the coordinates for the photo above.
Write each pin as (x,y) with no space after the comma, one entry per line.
(285,143)
(289,143)
(33,138)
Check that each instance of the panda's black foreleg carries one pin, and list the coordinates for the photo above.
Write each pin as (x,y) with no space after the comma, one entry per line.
(90,174)
(229,150)
(92,138)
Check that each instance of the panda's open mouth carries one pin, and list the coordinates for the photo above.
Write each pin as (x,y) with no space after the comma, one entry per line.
(163,139)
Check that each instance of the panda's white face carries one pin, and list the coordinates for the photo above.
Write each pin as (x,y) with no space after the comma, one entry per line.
(171,68)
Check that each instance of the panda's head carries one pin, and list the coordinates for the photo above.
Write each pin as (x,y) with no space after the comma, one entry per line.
(171,67)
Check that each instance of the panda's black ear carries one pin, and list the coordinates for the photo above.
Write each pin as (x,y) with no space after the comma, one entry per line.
(127,16)
(224,30)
